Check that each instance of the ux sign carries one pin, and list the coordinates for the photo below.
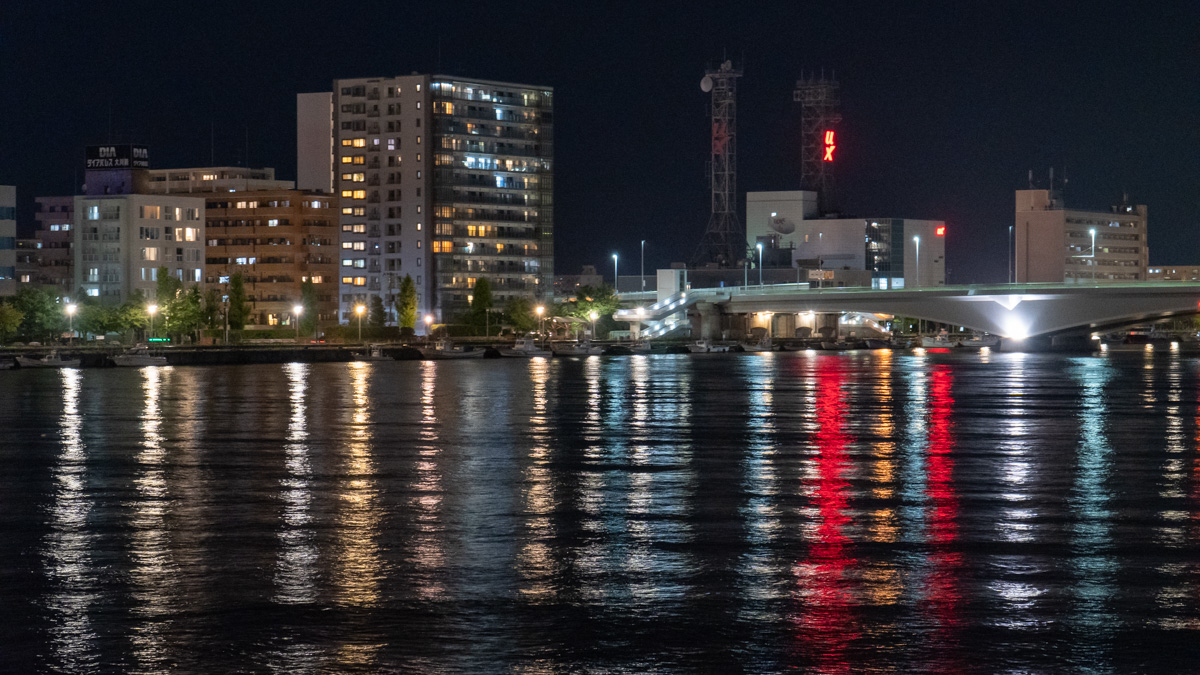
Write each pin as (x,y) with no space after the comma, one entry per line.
(830,146)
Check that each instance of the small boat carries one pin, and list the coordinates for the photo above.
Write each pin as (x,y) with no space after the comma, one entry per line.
(6,364)
(763,345)
(373,353)
(51,360)
(977,342)
(584,348)
(641,347)
(526,347)
(444,349)
(707,347)
(836,346)
(138,357)
(876,343)
(942,339)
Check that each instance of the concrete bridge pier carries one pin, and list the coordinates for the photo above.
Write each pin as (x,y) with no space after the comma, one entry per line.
(708,315)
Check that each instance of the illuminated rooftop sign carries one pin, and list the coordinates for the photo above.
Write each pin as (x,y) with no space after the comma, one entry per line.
(830,146)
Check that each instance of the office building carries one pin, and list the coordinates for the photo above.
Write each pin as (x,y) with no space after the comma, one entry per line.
(277,239)
(55,218)
(1055,244)
(8,240)
(213,179)
(124,235)
(898,252)
(445,179)
(1173,273)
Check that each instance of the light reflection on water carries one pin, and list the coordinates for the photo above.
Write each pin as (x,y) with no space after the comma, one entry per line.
(825,512)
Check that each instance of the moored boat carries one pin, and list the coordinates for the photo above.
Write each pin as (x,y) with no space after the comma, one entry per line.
(51,360)
(526,347)
(584,348)
(373,353)
(706,347)
(138,357)
(444,349)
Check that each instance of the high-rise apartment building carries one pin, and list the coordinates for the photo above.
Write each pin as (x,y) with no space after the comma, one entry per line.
(277,239)
(1057,244)
(8,240)
(445,179)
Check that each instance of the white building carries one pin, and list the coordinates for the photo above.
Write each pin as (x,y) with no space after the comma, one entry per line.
(1055,244)
(8,240)
(122,240)
(899,252)
(213,179)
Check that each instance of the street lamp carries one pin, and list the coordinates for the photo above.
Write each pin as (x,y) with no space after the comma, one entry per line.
(1093,233)
(593,316)
(428,322)
(917,271)
(539,310)
(297,310)
(1010,254)
(360,310)
(615,277)
(643,275)
(759,246)
(152,310)
(71,320)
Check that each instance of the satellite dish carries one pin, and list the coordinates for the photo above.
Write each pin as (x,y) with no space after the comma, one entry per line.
(783,225)
(706,84)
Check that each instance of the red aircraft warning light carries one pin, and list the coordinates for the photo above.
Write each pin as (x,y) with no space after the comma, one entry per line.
(940,231)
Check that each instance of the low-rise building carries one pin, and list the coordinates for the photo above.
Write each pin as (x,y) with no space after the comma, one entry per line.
(213,179)
(1060,245)
(55,218)
(8,240)
(1173,273)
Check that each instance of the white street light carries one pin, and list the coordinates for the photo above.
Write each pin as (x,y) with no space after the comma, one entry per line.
(917,271)
(71,308)
(360,310)
(593,316)
(296,311)
(759,246)
(152,310)
(1093,233)
(643,275)
(428,323)
(539,310)
(615,277)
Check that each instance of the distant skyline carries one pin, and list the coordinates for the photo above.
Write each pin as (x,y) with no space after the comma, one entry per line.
(945,106)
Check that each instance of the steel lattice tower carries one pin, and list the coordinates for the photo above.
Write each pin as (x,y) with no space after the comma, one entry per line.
(819,116)
(724,241)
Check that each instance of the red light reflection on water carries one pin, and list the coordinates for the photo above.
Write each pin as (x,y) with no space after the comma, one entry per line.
(944,597)
(826,622)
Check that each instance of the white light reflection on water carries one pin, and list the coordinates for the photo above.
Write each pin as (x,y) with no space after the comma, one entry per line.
(357,570)
(67,552)
(428,547)
(536,563)
(1092,562)
(154,572)
(761,575)
(882,583)
(296,567)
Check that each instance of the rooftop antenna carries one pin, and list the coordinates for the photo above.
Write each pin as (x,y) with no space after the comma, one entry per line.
(724,240)
(1031,179)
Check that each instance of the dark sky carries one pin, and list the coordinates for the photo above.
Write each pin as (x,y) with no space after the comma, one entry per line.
(945,106)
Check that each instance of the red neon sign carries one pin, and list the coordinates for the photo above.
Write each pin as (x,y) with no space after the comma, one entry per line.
(940,231)
(829,146)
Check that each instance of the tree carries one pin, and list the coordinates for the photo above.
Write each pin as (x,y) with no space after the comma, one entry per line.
(308,298)
(212,309)
(185,314)
(41,314)
(377,317)
(167,288)
(133,314)
(98,319)
(518,313)
(10,321)
(406,304)
(239,307)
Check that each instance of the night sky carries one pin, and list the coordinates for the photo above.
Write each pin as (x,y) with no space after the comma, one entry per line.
(945,107)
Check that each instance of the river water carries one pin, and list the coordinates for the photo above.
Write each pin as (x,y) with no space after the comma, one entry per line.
(735,513)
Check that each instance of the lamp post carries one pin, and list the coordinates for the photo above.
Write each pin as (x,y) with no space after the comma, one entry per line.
(759,247)
(593,316)
(917,271)
(1010,254)
(615,277)
(539,310)
(297,310)
(71,308)
(1093,233)
(360,310)
(152,310)
(428,323)
(643,274)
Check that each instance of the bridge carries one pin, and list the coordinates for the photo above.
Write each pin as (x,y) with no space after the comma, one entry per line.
(1012,311)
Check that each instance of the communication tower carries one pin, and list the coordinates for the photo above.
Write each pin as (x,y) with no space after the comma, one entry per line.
(724,241)
(820,114)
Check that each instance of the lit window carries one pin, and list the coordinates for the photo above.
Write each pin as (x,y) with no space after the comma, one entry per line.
(360,281)
(196,275)
(347,176)
(54,228)
(360,142)
(93,213)
(418,227)
(360,263)
(189,234)
(346,210)
(359,159)
(347,280)
(66,227)
(360,194)
(150,254)
(359,245)
(360,177)
(346,142)
(208,176)
(347,159)
(360,228)
(347,244)
(272,222)
(347,262)
(94,292)
(391,144)
(347,193)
